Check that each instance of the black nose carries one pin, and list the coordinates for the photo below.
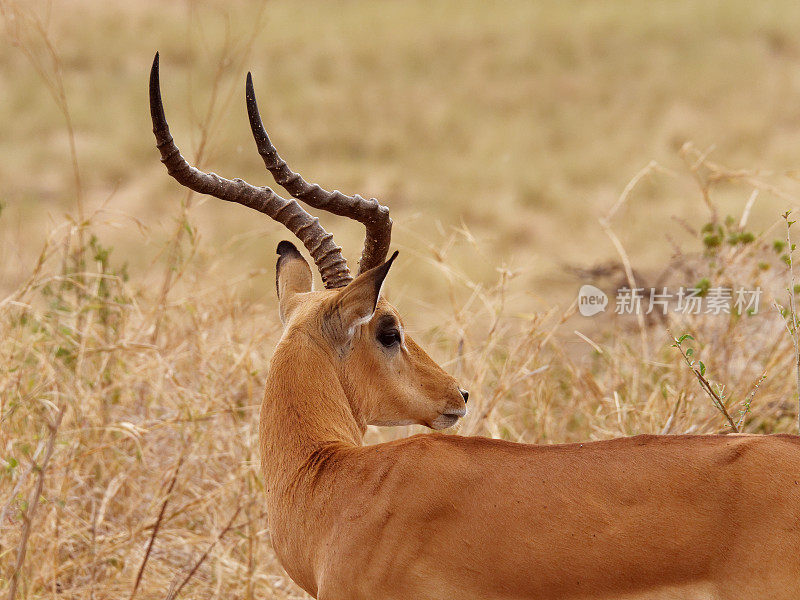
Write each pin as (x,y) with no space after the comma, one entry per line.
(464,394)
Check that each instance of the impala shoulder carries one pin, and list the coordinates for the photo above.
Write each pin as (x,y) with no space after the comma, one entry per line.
(437,445)
(430,461)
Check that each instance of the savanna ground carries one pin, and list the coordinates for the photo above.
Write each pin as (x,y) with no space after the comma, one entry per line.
(524,149)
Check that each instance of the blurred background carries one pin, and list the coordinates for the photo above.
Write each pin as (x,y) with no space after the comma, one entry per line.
(511,126)
(524,149)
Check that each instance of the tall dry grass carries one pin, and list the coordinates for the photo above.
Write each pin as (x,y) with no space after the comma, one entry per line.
(128,406)
(128,459)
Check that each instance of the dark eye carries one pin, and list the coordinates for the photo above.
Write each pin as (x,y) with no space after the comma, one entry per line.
(389,337)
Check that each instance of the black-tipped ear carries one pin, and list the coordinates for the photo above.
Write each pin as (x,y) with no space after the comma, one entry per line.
(379,273)
(357,302)
(292,276)
(286,251)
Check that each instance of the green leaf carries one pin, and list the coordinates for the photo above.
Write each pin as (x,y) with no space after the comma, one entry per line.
(690,352)
(685,336)
(702,367)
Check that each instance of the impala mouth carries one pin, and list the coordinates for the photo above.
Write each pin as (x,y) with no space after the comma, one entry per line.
(448,418)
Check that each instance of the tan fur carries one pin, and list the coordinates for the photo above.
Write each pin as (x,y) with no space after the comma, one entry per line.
(443,517)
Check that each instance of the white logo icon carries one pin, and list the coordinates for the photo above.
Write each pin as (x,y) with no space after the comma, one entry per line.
(591,300)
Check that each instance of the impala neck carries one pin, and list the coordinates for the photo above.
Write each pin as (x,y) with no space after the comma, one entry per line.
(305,409)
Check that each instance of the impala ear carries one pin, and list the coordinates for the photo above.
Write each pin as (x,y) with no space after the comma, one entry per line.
(292,277)
(356,303)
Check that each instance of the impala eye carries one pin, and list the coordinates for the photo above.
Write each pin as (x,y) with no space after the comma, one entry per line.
(389,337)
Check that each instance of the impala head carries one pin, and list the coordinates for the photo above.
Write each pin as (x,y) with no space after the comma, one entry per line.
(387,377)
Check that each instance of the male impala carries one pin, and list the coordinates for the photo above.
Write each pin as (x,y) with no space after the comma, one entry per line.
(445,517)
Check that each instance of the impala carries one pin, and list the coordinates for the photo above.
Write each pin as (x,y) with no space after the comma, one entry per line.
(443,516)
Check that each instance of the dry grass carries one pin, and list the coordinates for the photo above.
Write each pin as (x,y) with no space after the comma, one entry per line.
(130,379)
